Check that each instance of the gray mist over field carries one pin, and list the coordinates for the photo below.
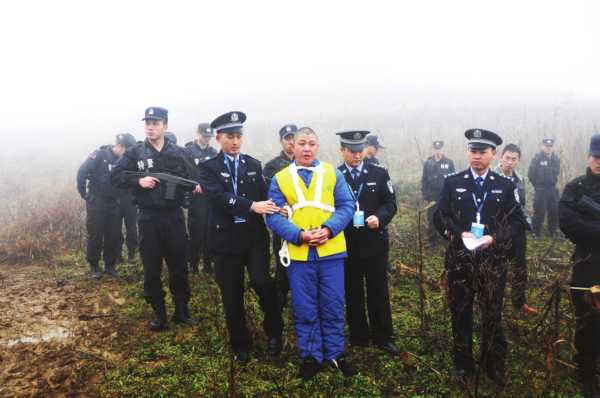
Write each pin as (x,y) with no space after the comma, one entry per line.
(74,74)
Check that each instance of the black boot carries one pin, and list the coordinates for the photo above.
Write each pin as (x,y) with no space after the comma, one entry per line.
(275,346)
(309,368)
(95,271)
(341,364)
(588,382)
(159,322)
(111,270)
(182,315)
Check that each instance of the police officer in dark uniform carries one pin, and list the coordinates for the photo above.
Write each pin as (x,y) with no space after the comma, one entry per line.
(579,211)
(161,221)
(368,246)
(102,206)
(372,149)
(272,167)
(435,170)
(200,151)
(238,236)
(127,210)
(543,174)
(511,156)
(478,211)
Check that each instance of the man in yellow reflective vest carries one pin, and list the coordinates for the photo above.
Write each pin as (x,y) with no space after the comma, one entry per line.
(320,206)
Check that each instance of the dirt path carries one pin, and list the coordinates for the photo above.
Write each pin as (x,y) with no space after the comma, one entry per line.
(54,324)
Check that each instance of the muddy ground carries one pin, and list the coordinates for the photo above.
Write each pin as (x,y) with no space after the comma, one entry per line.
(56,327)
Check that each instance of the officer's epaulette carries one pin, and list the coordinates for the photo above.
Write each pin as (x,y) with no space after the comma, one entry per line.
(378,166)
(452,174)
(250,159)
(189,144)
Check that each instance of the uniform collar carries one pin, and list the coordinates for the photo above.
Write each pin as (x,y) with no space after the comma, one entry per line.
(359,167)
(514,175)
(235,158)
(483,176)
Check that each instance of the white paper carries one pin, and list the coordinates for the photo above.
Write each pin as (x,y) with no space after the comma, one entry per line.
(473,244)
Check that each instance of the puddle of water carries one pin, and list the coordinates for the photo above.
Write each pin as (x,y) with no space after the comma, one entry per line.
(54,333)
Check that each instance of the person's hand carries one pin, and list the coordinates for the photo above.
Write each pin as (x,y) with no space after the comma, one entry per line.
(264,207)
(198,190)
(320,236)
(372,222)
(306,236)
(148,182)
(284,211)
(467,235)
(488,241)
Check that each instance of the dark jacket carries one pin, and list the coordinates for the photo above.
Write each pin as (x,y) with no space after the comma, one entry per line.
(275,165)
(199,155)
(544,171)
(96,170)
(434,173)
(376,197)
(225,204)
(143,157)
(501,213)
(582,228)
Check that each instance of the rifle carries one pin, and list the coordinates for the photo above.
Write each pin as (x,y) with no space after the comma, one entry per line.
(171,182)
(589,206)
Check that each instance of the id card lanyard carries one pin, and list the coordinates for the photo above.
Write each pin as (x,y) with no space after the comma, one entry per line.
(234,181)
(479,207)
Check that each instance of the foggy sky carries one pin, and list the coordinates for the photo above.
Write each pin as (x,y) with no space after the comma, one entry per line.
(73,68)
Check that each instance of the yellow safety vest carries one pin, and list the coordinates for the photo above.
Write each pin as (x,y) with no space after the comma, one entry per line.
(311,206)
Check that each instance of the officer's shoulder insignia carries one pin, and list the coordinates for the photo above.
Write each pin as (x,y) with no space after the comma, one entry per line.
(249,159)
(450,175)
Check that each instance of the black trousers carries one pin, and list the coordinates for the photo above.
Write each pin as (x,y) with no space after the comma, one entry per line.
(372,272)
(432,233)
(545,201)
(470,275)
(229,274)
(517,257)
(102,222)
(128,215)
(163,237)
(587,333)
(281,278)
(198,228)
